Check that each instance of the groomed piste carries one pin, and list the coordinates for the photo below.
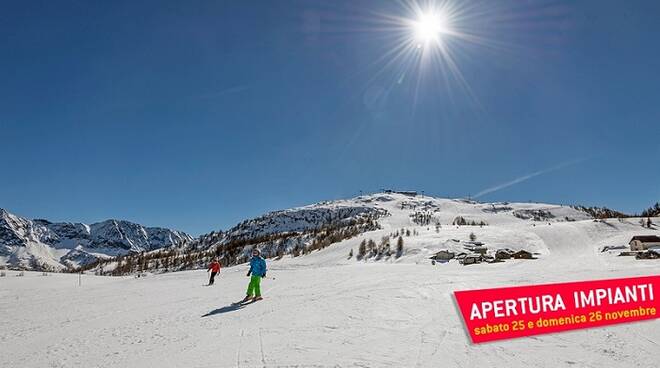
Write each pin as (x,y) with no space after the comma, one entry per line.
(325,309)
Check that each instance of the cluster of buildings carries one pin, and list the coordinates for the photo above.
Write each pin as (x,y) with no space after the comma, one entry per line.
(409,193)
(477,252)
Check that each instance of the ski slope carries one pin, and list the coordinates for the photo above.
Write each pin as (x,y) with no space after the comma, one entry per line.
(326,310)
(359,314)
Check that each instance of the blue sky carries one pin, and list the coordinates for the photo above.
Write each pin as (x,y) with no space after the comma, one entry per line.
(195,115)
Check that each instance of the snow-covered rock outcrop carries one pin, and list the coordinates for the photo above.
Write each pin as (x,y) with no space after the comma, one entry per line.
(302,219)
(35,244)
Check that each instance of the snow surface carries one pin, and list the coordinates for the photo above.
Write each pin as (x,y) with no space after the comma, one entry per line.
(326,310)
(356,315)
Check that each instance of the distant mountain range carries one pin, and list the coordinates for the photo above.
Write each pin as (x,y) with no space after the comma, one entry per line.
(41,244)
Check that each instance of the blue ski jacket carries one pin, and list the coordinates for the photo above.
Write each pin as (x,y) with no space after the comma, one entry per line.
(257,266)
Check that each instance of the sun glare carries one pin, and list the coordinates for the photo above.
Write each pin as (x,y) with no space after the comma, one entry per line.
(427,43)
(430,27)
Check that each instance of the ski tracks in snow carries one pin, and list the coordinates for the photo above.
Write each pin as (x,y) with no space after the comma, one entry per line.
(238,350)
(366,315)
(261,348)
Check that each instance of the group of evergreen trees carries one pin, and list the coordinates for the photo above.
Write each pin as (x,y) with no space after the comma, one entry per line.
(165,260)
(334,234)
(604,212)
(422,218)
(35,265)
(461,221)
(403,231)
(601,212)
(369,249)
(652,211)
(231,251)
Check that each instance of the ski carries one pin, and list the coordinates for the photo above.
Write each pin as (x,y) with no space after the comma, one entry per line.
(245,302)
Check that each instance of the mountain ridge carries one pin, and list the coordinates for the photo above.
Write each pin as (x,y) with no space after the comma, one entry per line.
(42,244)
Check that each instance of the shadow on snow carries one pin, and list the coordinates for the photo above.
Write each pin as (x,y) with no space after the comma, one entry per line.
(226,309)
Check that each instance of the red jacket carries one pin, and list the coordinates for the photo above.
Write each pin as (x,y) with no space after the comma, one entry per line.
(214,267)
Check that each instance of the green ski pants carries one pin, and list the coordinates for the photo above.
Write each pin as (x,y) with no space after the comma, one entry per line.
(254,288)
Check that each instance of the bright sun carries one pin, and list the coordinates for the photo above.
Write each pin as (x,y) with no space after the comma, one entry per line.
(424,39)
(430,27)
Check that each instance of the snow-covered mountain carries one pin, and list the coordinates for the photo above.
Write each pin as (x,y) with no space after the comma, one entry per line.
(433,223)
(323,307)
(303,219)
(437,223)
(36,244)
(289,231)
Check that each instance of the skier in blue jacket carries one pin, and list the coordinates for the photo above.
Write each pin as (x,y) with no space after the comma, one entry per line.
(256,272)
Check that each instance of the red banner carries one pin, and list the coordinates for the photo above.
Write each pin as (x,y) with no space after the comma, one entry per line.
(511,312)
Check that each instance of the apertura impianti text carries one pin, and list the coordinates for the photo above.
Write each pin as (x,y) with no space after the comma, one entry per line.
(554,302)
(510,312)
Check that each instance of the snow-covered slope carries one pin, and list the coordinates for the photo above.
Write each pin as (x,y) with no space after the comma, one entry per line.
(289,231)
(303,219)
(433,223)
(325,309)
(512,225)
(33,244)
(425,225)
(316,315)
(564,233)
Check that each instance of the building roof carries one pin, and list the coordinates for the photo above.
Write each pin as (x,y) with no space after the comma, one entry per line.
(647,238)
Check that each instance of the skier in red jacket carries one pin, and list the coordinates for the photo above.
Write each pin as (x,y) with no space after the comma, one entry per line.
(214,267)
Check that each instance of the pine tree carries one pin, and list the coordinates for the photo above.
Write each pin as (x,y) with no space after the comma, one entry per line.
(652,211)
(473,237)
(459,220)
(371,246)
(362,250)
(399,247)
